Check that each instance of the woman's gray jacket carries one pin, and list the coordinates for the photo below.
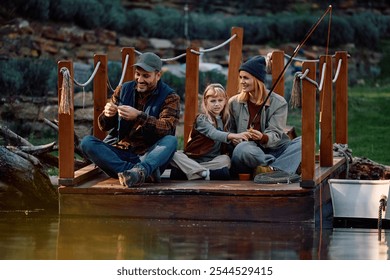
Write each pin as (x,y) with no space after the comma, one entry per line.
(273,119)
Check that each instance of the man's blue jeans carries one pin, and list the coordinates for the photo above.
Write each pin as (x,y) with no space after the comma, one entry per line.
(113,160)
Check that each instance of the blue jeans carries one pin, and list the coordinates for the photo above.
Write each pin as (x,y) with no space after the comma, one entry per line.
(247,156)
(113,160)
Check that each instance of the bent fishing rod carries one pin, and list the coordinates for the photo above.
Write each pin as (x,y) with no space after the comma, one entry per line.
(298,47)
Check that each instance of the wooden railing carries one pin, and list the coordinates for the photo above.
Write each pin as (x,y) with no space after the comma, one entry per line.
(69,177)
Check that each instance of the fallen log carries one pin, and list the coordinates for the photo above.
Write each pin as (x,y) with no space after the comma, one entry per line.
(25,183)
(29,178)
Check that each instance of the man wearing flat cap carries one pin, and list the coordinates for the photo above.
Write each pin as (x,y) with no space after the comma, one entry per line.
(141,119)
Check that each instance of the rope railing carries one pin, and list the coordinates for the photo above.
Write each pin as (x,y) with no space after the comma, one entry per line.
(319,86)
(196,52)
(66,85)
(124,70)
(90,78)
(336,76)
(322,77)
(216,47)
(301,59)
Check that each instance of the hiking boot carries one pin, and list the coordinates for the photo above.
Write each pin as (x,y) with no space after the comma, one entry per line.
(177,174)
(220,174)
(133,177)
(276,177)
(262,169)
(155,177)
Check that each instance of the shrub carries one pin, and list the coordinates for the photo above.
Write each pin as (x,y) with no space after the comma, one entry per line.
(171,23)
(141,23)
(366,32)
(90,14)
(27,76)
(63,10)
(37,9)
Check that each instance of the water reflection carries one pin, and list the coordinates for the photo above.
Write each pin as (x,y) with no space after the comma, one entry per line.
(39,236)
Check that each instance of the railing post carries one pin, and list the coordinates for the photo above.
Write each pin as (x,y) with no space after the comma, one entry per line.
(308,126)
(326,114)
(65,130)
(277,68)
(235,59)
(342,99)
(129,75)
(99,93)
(192,90)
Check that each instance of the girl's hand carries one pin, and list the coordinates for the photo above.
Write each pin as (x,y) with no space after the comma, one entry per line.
(237,138)
(110,109)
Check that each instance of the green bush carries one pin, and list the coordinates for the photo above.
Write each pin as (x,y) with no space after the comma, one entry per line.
(171,23)
(38,9)
(32,77)
(141,23)
(204,22)
(366,31)
(90,14)
(64,10)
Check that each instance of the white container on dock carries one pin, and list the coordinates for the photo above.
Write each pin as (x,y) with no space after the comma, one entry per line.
(359,198)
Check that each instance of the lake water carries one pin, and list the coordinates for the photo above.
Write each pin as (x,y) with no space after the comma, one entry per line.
(43,236)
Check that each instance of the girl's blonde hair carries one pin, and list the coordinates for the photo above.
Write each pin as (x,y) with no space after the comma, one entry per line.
(215,90)
(260,92)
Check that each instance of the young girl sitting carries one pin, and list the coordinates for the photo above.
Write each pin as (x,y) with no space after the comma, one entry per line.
(205,155)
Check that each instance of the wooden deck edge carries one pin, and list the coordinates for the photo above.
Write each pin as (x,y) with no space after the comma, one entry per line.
(191,207)
(80,176)
(322,173)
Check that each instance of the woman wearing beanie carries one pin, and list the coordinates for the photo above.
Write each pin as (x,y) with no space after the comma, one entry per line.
(269,146)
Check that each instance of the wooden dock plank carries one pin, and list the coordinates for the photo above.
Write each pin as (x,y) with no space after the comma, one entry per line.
(200,206)
(201,200)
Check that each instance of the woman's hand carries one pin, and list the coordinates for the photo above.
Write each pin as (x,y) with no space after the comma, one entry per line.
(255,134)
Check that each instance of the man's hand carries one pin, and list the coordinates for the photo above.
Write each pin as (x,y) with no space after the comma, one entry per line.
(110,109)
(128,113)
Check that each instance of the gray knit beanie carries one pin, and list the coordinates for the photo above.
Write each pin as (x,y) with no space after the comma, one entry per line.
(255,66)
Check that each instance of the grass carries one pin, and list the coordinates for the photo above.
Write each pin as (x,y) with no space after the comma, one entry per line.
(368,122)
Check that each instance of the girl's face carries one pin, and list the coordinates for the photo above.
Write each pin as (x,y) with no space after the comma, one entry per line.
(247,82)
(215,103)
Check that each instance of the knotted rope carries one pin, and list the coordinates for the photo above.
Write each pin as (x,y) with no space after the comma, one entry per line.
(66,94)
(382,208)
(343,150)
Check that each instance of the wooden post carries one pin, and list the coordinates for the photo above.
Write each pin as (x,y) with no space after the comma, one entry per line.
(129,74)
(65,130)
(235,59)
(326,114)
(99,93)
(192,90)
(342,98)
(308,126)
(277,68)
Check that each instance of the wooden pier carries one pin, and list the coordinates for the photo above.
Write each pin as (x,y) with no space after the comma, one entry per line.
(89,191)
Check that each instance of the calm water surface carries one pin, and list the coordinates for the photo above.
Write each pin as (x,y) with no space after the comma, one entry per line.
(38,236)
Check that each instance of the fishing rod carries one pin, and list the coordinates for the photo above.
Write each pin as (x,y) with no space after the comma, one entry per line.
(298,47)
